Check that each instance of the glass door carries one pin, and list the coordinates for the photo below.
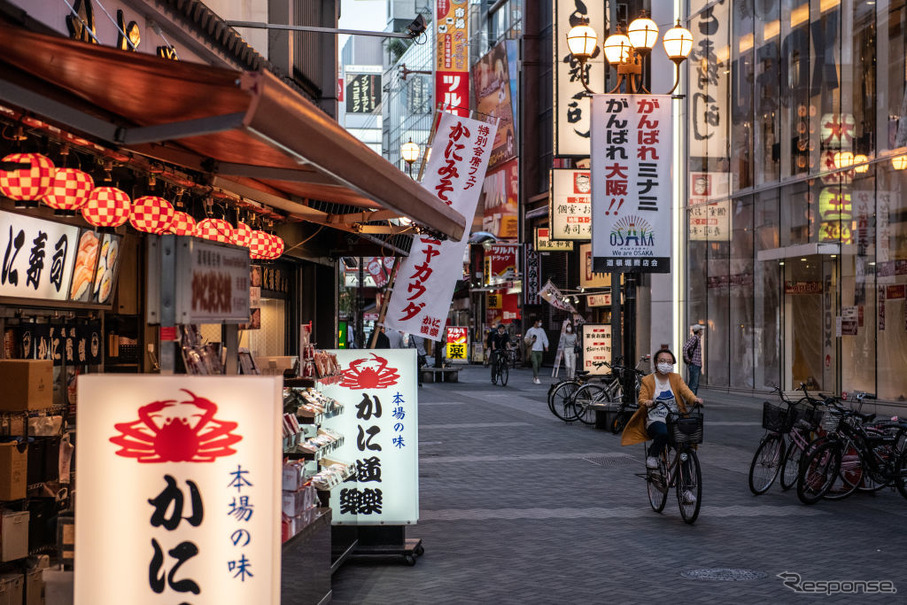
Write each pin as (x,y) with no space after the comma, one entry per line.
(810,334)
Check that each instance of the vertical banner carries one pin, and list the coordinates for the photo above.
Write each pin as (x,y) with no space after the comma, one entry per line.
(709,116)
(452,56)
(491,76)
(572,116)
(532,279)
(179,483)
(457,343)
(502,194)
(631,183)
(596,348)
(426,278)
(381,428)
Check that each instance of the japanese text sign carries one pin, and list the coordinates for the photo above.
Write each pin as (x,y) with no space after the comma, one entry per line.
(380,422)
(38,258)
(452,56)
(631,183)
(363,93)
(457,343)
(596,348)
(709,83)
(426,278)
(212,282)
(544,243)
(711,222)
(501,263)
(179,483)
(571,103)
(571,204)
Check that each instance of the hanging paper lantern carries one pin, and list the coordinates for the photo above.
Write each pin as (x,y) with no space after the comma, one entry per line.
(27,183)
(183,224)
(106,207)
(69,190)
(277,247)
(151,214)
(215,229)
(259,247)
(242,235)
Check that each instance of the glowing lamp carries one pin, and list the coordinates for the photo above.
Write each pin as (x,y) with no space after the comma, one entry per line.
(69,190)
(259,248)
(242,235)
(27,184)
(107,207)
(215,229)
(151,214)
(183,224)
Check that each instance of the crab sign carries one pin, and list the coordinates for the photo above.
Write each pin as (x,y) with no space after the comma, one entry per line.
(171,431)
(369,374)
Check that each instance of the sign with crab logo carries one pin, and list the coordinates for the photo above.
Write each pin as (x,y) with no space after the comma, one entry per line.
(380,422)
(178,479)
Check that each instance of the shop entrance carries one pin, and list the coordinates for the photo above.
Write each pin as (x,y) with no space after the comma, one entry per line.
(810,307)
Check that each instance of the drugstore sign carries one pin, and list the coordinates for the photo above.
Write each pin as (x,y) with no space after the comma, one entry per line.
(178,479)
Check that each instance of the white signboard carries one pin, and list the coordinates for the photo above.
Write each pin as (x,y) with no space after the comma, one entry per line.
(38,257)
(709,77)
(598,300)
(179,484)
(572,122)
(596,348)
(212,282)
(711,222)
(631,183)
(380,423)
(571,204)
(426,278)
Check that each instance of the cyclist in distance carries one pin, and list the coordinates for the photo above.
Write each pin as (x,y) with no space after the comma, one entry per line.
(665,386)
(500,341)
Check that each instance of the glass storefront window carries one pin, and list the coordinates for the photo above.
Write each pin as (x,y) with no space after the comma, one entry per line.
(795,215)
(891,279)
(766,293)
(768,109)
(741,294)
(716,365)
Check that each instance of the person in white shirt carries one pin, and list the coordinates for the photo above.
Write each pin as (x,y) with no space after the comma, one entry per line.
(538,343)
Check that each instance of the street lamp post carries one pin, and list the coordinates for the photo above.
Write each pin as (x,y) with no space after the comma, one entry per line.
(410,153)
(628,51)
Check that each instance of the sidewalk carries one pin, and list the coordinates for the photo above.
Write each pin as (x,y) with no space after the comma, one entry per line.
(519,507)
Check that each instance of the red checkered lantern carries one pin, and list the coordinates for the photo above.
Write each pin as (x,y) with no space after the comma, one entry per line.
(69,190)
(242,235)
(183,224)
(27,183)
(106,207)
(215,229)
(276,248)
(260,246)
(151,214)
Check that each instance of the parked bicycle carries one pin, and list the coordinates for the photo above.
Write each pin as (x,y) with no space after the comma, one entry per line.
(680,470)
(590,397)
(500,368)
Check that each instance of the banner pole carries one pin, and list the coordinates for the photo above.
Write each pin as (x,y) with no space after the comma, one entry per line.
(384,300)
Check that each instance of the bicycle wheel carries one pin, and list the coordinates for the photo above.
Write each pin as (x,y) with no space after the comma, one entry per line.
(583,401)
(620,420)
(561,401)
(790,468)
(817,472)
(900,479)
(657,486)
(503,374)
(766,463)
(689,485)
(850,474)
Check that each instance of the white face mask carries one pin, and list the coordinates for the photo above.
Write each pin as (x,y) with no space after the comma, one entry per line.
(664,367)
(569,329)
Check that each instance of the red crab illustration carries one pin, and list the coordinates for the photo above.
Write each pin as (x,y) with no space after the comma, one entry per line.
(369,374)
(177,436)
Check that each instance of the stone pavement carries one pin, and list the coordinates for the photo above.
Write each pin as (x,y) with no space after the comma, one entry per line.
(519,507)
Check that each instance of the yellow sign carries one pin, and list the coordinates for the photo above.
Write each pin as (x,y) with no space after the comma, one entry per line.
(457,349)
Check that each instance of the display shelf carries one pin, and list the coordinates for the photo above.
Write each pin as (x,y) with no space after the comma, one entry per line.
(306,454)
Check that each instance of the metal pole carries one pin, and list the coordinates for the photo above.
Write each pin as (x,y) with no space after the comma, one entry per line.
(316,29)
(616,332)
(360,296)
(630,338)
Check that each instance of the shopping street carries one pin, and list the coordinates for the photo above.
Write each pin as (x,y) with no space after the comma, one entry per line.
(519,507)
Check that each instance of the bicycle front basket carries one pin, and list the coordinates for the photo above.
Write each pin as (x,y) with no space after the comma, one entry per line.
(685,430)
(774,418)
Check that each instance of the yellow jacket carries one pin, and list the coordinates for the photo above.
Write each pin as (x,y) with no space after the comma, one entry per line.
(635,431)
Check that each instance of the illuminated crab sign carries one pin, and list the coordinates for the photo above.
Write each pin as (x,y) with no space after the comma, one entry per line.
(171,431)
(369,374)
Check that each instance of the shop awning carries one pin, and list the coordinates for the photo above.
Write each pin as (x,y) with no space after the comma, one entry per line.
(246,127)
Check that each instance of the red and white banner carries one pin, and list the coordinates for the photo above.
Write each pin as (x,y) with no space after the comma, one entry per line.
(426,278)
(452,53)
(631,183)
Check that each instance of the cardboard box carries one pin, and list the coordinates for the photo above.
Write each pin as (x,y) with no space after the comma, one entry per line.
(34,587)
(28,384)
(12,588)
(13,536)
(13,470)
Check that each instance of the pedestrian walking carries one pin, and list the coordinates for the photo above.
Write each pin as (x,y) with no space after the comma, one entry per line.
(692,356)
(537,341)
(568,345)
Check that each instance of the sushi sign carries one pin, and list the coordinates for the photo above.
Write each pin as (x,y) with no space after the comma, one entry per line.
(38,257)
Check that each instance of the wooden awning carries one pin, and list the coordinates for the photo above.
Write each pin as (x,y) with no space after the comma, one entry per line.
(245,127)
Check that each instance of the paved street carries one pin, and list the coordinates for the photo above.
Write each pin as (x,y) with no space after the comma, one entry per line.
(519,507)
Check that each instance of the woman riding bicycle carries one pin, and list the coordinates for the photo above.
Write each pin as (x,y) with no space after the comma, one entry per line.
(662,386)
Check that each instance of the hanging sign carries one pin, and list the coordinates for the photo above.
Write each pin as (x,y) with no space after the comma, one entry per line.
(532,280)
(212,282)
(457,344)
(544,243)
(427,277)
(598,300)
(452,53)
(596,348)
(632,144)
(179,487)
(363,90)
(571,204)
(380,423)
(38,258)
(501,263)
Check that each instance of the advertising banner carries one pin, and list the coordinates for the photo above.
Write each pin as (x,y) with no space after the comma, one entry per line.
(380,422)
(452,56)
(363,92)
(709,72)
(596,348)
(632,144)
(179,484)
(501,263)
(532,277)
(572,116)
(493,98)
(571,204)
(502,194)
(457,344)
(427,277)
